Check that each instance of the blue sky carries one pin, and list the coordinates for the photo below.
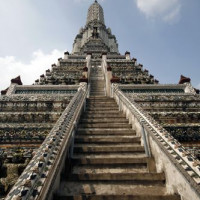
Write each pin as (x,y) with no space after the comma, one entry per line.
(164,35)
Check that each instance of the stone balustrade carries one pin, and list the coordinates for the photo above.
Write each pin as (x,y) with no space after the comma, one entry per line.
(181,168)
(40,178)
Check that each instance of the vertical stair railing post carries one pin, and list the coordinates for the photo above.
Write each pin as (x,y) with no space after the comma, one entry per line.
(88,58)
(145,140)
(123,102)
(84,106)
(112,88)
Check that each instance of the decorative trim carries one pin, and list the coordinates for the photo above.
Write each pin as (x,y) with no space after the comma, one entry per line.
(182,159)
(48,157)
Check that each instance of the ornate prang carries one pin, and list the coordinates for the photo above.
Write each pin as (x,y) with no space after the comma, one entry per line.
(17,80)
(109,69)
(197,90)
(83,79)
(115,79)
(127,53)
(38,123)
(85,69)
(184,79)
(3,92)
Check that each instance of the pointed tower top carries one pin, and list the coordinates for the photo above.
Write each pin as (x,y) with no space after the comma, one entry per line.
(95,13)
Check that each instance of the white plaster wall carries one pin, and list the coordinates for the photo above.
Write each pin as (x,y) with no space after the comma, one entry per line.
(175,181)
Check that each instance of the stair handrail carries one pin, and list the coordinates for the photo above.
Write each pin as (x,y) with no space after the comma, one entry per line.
(122,98)
(188,165)
(104,66)
(89,74)
(36,181)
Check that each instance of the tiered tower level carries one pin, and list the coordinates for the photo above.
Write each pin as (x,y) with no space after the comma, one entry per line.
(97,125)
(95,37)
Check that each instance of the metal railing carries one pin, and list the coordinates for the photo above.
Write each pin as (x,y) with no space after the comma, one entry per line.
(104,67)
(123,101)
(89,75)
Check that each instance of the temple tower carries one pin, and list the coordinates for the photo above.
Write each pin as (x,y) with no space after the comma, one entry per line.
(95,37)
(98,125)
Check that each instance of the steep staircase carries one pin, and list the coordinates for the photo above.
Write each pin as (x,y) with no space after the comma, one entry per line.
(97,83)
(108,160)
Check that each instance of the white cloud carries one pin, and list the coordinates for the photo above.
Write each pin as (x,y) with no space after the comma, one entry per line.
(167,10)
(11,67)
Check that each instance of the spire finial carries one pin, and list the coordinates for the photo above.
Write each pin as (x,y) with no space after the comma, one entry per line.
(95,13)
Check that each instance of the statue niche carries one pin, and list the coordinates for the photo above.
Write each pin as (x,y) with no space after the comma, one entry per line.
(95,33)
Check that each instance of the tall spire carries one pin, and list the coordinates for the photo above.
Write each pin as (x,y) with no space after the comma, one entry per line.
(95,37)
(95,13)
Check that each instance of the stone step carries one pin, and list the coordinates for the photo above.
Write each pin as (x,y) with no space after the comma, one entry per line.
(106,125)
(104,120)
(96,169)
(115,166)
(104,98)
(118,197)
(108,143)
(106,139)
(112,191)
(111,105)
(106,131)
(108,160)
(94,84)
(102,115)
(108,116)
(111,159)
(91,148)
(103,112)
(103,109)
(97,94)
(97,90)
(97,82)
(100,98)
(101,175)
(100,102)
(98,87)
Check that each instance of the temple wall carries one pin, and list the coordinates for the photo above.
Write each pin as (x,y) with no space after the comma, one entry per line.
(175,181)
